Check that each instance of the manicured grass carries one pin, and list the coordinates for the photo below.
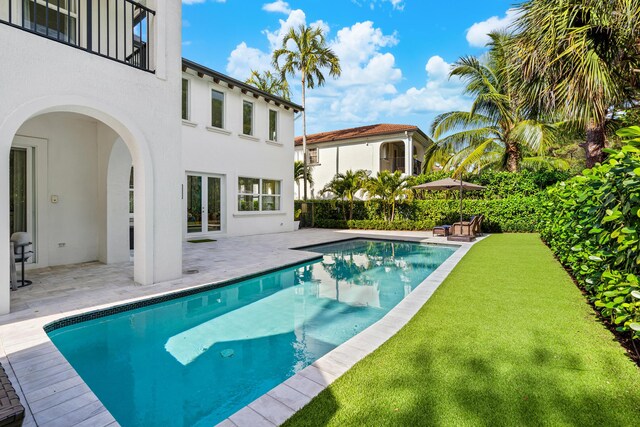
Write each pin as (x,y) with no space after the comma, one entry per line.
(506,340)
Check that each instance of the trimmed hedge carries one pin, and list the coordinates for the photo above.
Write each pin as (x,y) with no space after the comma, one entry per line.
(514,214)
(592,222)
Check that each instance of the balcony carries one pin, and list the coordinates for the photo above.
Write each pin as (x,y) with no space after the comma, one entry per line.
(115,29)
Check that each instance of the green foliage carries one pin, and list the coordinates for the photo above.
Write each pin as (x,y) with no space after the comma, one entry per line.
(499,184)
(389,189)
(592,223)
(513,214)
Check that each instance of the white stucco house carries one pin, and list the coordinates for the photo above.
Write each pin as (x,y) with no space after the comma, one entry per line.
(373,148)
(104,129)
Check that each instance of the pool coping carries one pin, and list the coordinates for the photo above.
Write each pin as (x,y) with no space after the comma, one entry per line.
(283,401)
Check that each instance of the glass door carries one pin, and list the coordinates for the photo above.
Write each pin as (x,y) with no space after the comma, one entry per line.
(18,195)
(204,201)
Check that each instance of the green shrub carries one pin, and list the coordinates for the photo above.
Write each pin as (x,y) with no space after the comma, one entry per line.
(514,214)
(592,222)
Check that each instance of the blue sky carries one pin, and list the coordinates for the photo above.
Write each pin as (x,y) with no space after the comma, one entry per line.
(394,54)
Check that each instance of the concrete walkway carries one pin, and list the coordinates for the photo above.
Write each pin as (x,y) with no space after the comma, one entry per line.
(50,389)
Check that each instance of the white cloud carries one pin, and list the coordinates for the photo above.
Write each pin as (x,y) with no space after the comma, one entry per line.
(437,68)
(243,59)
(277,6)
(395,4)
(477,34)
(368,89)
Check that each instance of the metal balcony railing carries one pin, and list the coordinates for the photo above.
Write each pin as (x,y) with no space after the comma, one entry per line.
(115,29)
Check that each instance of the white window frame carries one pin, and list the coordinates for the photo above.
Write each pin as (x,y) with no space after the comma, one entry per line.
(259,194)
(72,12)
(253,116)
(188,112)
(317,151)
(269,136)
(224,108)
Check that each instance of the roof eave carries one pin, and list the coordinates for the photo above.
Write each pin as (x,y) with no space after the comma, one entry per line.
(202,71)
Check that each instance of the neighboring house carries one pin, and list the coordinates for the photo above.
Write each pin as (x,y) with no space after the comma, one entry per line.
(90,129)
(373,148)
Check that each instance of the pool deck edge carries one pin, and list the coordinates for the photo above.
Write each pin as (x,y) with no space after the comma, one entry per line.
(283,401)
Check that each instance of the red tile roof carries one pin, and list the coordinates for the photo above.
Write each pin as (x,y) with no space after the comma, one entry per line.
(359,132)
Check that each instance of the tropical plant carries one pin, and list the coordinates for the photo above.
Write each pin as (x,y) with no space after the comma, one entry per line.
(345,186)
(270,83)
(304,52)
(579,58)
(496,132)
(592,224)
(389,188)
(300,173)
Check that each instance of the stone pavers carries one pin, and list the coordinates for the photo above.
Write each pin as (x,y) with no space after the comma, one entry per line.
(53,393)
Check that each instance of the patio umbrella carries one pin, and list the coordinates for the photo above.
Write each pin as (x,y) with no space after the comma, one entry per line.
(450,184)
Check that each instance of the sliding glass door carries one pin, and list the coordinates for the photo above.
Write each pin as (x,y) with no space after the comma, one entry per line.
(204,204)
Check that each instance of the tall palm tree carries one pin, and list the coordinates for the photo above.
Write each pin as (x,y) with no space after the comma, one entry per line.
(270,83)
(497,131)
(345,186)
(305,52)
(389,188)
(299,174)
(579,57)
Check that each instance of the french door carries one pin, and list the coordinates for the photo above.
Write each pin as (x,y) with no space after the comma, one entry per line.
(204,204)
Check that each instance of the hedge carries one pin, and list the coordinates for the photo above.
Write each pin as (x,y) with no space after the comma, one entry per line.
(514,214)
(591,222)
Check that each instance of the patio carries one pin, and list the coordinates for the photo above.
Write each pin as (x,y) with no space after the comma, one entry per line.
(49,388)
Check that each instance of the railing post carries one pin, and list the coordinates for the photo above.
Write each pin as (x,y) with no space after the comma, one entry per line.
(89,25)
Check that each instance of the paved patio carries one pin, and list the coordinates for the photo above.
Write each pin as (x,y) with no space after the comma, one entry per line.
(50,389)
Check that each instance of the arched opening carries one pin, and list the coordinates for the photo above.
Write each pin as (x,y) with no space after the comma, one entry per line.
(68,185)
(392,156)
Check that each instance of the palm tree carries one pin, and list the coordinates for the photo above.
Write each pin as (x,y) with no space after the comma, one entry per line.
(388,187)
(299,174)
(308,55)
(270,83)
(497,131)
(345,186)
(579,57)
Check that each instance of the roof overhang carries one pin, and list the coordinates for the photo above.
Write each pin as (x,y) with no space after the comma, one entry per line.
(232,83)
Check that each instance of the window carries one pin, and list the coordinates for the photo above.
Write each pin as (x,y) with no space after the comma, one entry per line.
(258,194)
(313,156)
(273,125)
(217,109)
(247,118)
(185,99)
(53,18)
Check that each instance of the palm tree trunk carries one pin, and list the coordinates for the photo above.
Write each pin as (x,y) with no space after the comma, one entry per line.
(351,208)
(594,143)
(304,137)
(513,158)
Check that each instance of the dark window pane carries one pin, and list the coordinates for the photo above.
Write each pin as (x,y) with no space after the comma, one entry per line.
(273,125)
(217,108)
(185,99)
(247,118)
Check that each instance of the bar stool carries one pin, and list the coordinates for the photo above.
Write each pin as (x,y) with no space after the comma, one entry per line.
(21,240)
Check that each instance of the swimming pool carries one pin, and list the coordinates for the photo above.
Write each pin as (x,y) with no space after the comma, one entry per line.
(195,360)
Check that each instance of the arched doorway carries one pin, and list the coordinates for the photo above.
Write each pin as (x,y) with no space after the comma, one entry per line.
(68,186)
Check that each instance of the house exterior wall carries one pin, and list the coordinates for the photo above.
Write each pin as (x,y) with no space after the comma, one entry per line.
(141,107)
(230,154)
(340,156)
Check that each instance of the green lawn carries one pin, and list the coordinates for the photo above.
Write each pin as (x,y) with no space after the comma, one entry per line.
(506,340)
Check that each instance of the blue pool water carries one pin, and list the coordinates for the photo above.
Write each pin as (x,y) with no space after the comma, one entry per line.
(195,360)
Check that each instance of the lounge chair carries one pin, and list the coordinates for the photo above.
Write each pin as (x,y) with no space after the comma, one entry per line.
(466,228)
(442,230)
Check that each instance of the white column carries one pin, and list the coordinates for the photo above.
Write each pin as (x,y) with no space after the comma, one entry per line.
(5,292)
(408,154)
